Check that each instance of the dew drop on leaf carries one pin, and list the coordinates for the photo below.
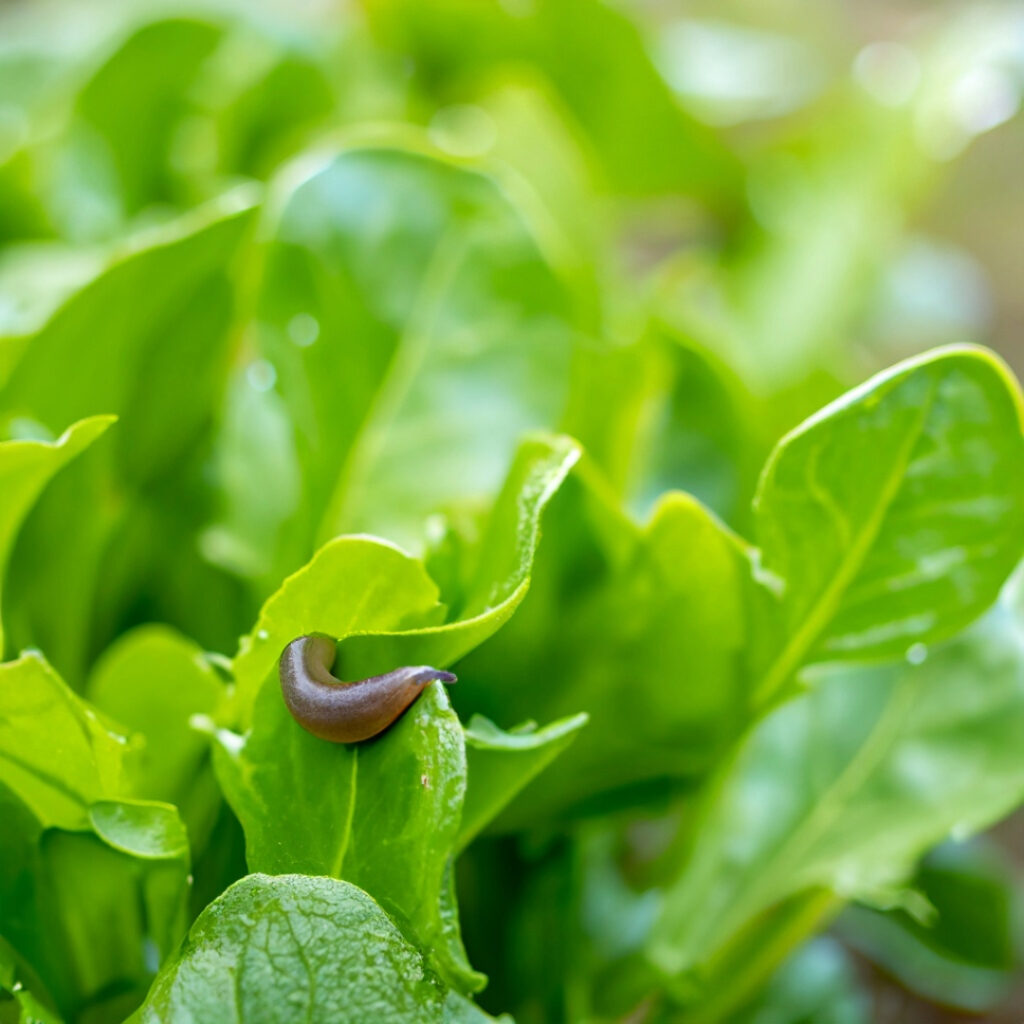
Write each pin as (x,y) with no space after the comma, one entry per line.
(916,654)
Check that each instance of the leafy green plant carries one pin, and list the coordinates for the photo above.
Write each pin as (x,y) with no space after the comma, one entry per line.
(737,659)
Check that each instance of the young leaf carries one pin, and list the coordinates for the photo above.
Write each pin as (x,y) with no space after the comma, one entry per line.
(352,585)
(893,516)
(297,947)
(25,469)
(499,764)
(498,578)
(844,788)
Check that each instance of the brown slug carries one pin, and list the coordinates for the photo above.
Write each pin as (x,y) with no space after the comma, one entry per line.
(346,712)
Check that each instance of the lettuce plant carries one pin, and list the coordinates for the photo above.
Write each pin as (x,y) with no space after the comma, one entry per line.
(735,644)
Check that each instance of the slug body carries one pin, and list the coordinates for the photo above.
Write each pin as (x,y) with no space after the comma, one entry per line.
(346,712)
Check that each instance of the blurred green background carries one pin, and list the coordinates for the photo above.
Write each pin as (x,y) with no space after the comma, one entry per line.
(779,196)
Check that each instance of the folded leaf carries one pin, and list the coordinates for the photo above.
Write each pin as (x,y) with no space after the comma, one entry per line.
(497,578)
(352,585)
(298,948)
(274,775)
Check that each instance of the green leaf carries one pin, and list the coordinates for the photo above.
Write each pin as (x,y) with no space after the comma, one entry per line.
(55,751)
(608,80)
(253,444)
(133,105)
(660,606)
(382,814)
(111,904)
(497,574)
(844,788)
(153,681)
(25,993)
(147,339)
(965,952)
(297,948)
(500,764)
(91,912)
(352,585)
(698,432)
(280,102)
(417,330)
(817,985)
(893,516)
(388,612)
(25,469)
(93,884)
(273,777)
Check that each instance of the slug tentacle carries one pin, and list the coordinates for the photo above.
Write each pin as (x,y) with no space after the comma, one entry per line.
(346,712)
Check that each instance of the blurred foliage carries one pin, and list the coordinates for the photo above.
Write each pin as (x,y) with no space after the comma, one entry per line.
(514,335)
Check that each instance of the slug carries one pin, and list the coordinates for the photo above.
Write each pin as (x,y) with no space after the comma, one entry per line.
(346,712)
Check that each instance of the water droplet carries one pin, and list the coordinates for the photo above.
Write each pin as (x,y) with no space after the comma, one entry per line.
(261,375)
(303,329)
(150,954)
(262,634)
(960,831)
(916,654)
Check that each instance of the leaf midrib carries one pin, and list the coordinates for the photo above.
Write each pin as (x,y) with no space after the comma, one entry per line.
(799,643)
(409,354)
(350,813)
(828,806)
